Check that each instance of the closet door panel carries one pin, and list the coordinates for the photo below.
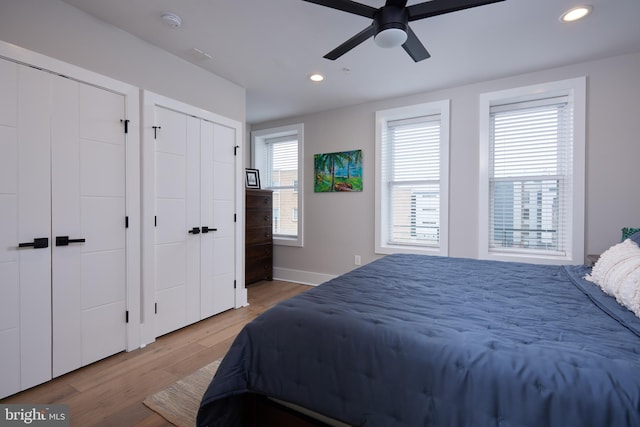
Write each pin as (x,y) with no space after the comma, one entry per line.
(100,270)
(34,221)
(224,202)
(171,272)
(171,231)
(65,220)
(10,357)
(88,181)
(224,191)
(171,136)
(171,221)
(103,212)
(223,291)
(9,90)
(172,312)
(207,202)
(9,310)
(102,169)
(107,318)
(101,113)
(193,241)
(8,229)
(167,186)
(8,164)
(103,224)
(172,266)
(9,325)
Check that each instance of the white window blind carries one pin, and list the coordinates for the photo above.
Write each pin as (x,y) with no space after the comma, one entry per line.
(282,178)
(530,176)
(411,173)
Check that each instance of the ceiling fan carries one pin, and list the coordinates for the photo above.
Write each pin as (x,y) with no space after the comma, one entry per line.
(390,26)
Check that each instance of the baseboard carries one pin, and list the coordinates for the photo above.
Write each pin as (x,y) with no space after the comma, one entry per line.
(298,276)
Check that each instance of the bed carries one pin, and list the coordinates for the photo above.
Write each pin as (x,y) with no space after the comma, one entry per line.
(412,340)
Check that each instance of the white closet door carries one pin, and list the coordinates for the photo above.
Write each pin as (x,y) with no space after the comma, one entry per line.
(207,268)
(25,291)
(222,181)
(66,269)
(193,219)
(171,231)
(9,255)
(88,219)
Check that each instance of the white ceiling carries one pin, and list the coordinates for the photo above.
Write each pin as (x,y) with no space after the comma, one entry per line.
(270,47)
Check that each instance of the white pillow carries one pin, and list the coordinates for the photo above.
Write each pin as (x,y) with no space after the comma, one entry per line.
(629,292)
(617,272)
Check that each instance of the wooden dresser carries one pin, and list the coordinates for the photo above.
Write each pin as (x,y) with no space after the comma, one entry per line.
(258,236)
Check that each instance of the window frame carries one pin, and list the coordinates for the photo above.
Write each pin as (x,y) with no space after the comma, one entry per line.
(575,89)
(259,138)
(383,117)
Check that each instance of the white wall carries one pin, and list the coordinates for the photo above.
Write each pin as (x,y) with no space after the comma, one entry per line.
(58,30)
(340,225)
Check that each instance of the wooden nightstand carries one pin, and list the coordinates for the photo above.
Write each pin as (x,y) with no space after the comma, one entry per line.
(591,259)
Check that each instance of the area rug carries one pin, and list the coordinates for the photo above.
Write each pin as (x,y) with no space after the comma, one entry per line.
(179,402)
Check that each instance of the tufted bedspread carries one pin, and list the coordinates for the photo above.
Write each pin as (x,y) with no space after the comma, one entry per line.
(412,340)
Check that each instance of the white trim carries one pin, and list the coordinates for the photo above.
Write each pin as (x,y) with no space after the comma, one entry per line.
(298,276)
(575,88)
(382,118)
(259,137)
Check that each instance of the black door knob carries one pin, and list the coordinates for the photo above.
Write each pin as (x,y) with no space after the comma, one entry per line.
(38,243)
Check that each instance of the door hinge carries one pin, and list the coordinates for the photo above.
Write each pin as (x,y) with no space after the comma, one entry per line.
(155,131)
(126,125)
(126,316)
(234,284)
(235,217)
(126,222)
(235,150)
(155,308)
(155,221)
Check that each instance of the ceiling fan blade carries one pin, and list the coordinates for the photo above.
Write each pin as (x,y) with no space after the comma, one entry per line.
(439,7)
(396,3)
(414,47)
(347,6)
(351,43)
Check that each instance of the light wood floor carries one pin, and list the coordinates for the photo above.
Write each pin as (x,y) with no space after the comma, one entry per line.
(110,392)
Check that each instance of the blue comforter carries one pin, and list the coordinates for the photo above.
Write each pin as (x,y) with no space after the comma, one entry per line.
(412,340)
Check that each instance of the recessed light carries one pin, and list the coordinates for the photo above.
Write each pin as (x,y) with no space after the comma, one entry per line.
(576,13)
(316,77)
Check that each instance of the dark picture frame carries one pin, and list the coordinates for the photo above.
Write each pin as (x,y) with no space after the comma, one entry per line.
(252,178)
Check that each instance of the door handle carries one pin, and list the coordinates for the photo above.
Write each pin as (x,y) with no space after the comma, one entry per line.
(38,243)
(206,229)
(194,230)
(65,240)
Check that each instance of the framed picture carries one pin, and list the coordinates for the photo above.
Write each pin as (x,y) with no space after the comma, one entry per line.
(252,178)
(337,172)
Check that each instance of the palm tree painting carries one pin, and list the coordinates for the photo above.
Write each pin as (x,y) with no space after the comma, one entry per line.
(337,171)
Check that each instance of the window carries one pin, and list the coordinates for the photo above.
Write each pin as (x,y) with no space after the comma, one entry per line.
(277,153)
(532,189)
(412,161)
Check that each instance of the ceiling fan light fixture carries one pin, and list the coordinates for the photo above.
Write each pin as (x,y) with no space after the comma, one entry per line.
(391,37)
(576,13)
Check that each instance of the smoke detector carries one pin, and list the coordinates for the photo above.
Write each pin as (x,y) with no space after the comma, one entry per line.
(171,19)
